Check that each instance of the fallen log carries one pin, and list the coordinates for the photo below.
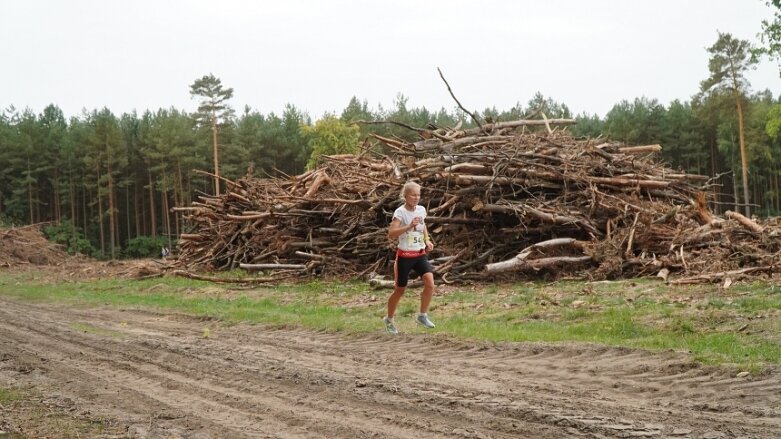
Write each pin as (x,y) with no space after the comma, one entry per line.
(645,149)
(248,217)
(192,237)
(451,220)
(520,260)
(519,123)
(228,280)
(563,220)
(251,267)
(647,184)
(717,277)
(310,256)
(386,283)
(745,222)
(539,264)
(321,179)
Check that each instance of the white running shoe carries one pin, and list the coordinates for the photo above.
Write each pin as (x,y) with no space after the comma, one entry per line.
(390,326)
(422,319)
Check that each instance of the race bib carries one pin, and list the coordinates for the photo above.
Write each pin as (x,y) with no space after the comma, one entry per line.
(415,241)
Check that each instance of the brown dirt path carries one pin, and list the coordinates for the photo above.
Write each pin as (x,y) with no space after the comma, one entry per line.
(155,375)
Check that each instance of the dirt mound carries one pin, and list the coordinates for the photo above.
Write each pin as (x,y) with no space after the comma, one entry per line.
(124,269)
(27,245)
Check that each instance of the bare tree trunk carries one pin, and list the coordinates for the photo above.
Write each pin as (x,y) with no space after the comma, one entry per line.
(56,197)
(777,198)
(756,194)
(189,190)
(216,156)
(117,228)
(111,213)
(735,188)
(84,208)
(166,211)
(699,164)
(152,216)
(127,209)
(100,216)
(743,154)
(736,191)
(143,216)
(715,172)
(30,192)
(138,208)
(72,195)
(180,199)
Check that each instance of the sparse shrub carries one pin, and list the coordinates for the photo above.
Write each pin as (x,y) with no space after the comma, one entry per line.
(145,246)
(69,237)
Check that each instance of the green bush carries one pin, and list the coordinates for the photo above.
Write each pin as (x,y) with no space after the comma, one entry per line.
(68,236)
(5,222)
(145,246)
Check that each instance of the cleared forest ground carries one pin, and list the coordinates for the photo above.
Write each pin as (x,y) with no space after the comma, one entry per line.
(106,372)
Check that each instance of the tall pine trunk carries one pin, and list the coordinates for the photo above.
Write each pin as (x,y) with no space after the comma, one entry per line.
(736,191)
(100,217)
(84,207)
(216,156)
(72,195)
(714,172)
(166,209)
(743,154)
(180,199)
(777,191)
(137,208)
(152,216)
(111,214)
(30,192)
(56,197)
(128,211)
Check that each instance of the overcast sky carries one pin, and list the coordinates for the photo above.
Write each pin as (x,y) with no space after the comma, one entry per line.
(316,55)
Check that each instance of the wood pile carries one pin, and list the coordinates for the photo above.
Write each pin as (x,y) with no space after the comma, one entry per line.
(504,202)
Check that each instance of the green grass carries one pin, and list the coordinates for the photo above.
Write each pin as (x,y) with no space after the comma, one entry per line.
(737,326)
(85,327)
(31,415)
(8,395)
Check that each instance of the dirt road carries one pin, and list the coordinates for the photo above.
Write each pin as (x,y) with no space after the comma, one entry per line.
(162,375)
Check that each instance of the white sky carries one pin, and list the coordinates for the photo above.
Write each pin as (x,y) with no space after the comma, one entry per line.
(144,54)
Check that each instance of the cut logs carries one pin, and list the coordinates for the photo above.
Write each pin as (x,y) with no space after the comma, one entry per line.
(503,202)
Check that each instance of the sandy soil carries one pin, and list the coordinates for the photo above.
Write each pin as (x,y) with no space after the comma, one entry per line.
(162,375)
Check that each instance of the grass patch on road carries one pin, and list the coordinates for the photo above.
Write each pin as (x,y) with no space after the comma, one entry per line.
(87,328)
(29,414)
(8,395)
(739,325)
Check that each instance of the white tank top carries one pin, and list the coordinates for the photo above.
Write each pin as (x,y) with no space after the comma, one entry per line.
(412,240)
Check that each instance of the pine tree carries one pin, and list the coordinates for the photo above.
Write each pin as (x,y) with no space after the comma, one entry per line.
(213,110)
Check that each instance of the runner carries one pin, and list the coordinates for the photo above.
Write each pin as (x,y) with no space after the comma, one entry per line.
(409,228)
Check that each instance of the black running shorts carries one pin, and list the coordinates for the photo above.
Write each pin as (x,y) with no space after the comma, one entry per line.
(404,265)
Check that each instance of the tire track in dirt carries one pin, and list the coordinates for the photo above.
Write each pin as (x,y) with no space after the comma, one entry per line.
(191,389)
(150,381)
(485,371)
(258,381)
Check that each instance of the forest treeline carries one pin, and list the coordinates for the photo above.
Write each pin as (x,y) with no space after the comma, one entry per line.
(107,183)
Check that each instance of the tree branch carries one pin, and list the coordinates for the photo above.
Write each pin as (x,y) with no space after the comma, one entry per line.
(474,118)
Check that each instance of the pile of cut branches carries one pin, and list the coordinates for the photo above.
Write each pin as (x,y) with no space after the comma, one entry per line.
(503,202)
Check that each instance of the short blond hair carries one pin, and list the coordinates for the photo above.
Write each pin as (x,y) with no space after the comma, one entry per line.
(408,186)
